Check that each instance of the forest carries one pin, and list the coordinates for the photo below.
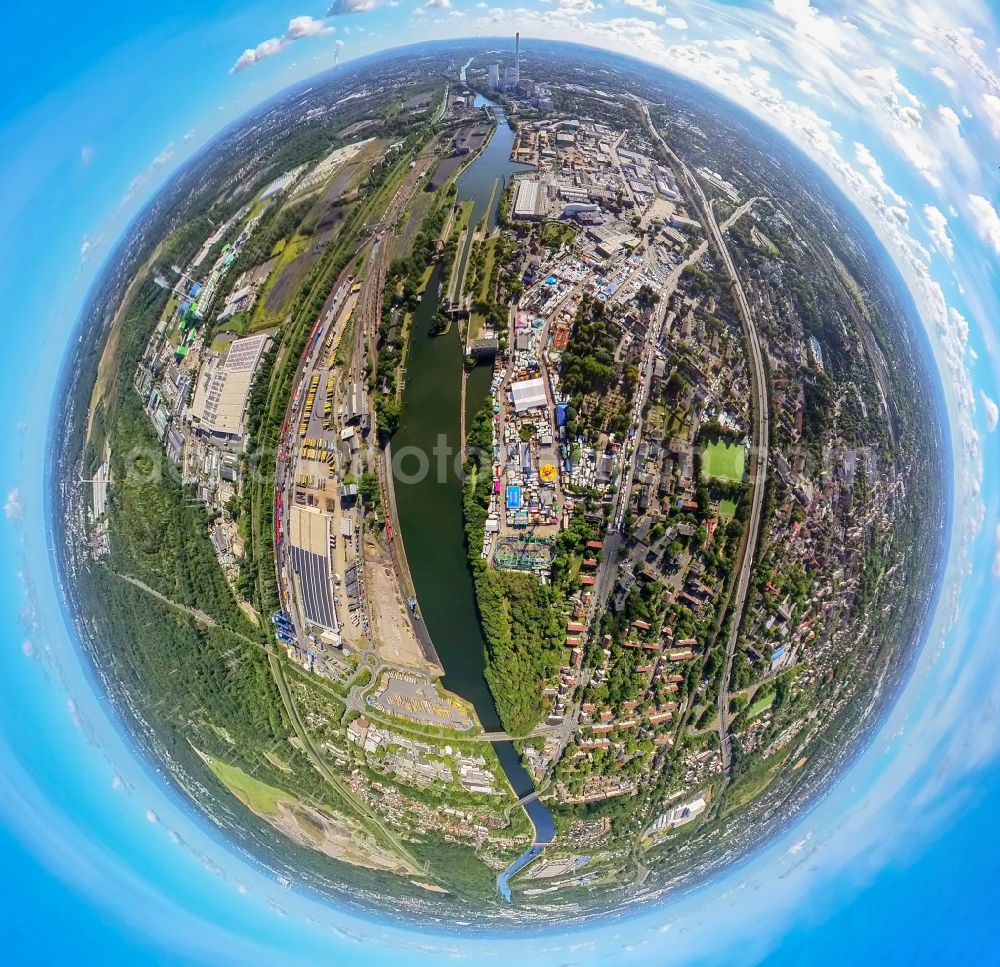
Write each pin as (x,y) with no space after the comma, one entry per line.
(521,622)
(588,360)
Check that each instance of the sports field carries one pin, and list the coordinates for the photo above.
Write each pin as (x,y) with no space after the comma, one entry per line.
(723,461)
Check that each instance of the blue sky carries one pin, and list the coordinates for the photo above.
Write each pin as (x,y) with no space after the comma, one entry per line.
(899,103)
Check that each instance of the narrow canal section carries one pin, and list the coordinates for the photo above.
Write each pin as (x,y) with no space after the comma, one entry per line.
(484,180)
(427,478)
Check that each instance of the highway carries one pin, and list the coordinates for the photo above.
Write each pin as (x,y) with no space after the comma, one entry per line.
(760,435)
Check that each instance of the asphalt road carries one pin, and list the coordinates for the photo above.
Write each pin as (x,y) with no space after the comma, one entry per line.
(760,435)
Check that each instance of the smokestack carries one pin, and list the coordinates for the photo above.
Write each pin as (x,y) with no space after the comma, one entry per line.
(517,59)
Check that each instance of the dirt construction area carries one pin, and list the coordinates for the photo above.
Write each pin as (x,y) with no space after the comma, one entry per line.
(392,633)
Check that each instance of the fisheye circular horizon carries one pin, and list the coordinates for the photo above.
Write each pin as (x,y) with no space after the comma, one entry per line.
(510,500)
(669,666)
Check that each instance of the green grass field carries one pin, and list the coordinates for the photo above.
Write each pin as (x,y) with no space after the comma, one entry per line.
(727,509)
(254,794)
(462,219)
(761,705)
(674,423)
(425,278)
(488,261)
(555,234)
(723,461)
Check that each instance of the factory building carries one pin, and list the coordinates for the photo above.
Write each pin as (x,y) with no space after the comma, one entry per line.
(529,200)
(220,401)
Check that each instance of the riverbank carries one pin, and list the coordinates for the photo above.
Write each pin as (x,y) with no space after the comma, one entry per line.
(400,563)
(438,398)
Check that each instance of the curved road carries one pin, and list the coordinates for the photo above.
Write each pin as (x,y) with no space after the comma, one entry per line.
(760,436)
(319,763)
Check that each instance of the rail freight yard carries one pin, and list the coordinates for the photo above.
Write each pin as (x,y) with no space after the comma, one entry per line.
(529,483)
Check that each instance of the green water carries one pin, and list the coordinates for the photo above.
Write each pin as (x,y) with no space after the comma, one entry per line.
(430,509)
(484,180)
(429,504)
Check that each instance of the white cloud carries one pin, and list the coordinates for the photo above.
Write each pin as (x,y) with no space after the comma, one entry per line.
(991,410)
(636,33)
(900,215)
(944,77)
(254,55)
(647,6)
(14,508)
(438,4)
(953,153)
(678,23)
(917,152)
(868,161)
(937,228)
(136,185)
(884,84)
(991,108)
(950,119)
(809,23)
(342,8)
(739,46)
(164,156)
(298,27)
(986,221)
(87,154)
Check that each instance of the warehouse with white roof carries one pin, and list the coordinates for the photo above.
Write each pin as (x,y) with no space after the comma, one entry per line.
(528,394)
(529,200)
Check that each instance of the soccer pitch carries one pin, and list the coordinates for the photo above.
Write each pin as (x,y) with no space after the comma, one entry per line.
(723,461)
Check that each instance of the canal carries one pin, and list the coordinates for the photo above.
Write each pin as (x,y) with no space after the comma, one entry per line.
(483,181)
(427,464)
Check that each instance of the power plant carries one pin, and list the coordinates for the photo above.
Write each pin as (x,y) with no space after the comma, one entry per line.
(511,74)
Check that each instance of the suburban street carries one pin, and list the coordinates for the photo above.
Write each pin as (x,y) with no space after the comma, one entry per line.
(760,432)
